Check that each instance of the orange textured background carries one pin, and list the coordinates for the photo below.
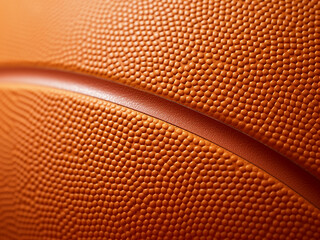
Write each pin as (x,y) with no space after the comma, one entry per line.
(254,65)
(75,167)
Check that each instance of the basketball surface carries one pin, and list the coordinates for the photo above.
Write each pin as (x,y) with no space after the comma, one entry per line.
(159,119)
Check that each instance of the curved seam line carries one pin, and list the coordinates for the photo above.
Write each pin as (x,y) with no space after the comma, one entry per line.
(39,71)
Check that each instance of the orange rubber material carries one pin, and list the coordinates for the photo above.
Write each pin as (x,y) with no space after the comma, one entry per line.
(234,141)
(254,65)
(76,167)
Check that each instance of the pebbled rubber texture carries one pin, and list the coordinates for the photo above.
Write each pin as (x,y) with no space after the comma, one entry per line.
(254,65)
(76,167)
(234,141)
